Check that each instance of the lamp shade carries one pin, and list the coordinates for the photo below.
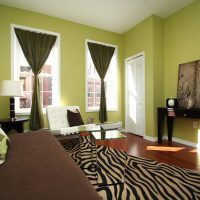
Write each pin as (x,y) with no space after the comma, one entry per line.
(11,88)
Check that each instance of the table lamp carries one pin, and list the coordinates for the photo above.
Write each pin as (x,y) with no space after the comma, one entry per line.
(12,89)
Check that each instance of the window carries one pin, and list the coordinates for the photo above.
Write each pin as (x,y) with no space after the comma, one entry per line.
(48,78)
(93,84)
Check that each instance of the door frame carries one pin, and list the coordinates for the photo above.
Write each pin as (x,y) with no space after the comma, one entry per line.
(125,75)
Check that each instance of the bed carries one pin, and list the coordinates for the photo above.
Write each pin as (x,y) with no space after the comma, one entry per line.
(37,167)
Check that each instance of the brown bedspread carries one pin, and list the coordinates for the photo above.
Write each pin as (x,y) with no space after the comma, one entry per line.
(38,168)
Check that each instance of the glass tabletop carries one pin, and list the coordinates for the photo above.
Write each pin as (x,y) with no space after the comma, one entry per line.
(108,134)
(89,127)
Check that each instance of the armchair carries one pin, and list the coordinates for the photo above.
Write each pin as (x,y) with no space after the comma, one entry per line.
(58,120)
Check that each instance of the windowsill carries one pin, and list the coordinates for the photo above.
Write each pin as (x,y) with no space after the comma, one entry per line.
(27,113)
(22,113)
(89,111)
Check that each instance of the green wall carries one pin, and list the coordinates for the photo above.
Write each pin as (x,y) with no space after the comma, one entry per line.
(182,44)
(137,40)
(72,63)
(166,43)
(148,37)
(158,67)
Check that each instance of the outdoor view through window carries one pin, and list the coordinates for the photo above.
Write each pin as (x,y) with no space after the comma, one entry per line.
(48,78)
(27,78)
(93,85)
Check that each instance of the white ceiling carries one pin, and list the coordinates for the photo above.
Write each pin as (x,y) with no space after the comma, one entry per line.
(112,15)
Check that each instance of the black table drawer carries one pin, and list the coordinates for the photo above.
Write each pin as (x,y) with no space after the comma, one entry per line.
(190,113)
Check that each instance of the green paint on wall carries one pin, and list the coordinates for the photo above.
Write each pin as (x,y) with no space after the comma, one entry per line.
(72,63)
(137,40)
(182,44)
(166,43)
(148,37)
(158,67)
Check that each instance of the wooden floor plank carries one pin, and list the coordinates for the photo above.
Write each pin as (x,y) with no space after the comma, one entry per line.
(171,153)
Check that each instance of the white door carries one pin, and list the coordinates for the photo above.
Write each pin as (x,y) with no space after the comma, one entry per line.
(134,94)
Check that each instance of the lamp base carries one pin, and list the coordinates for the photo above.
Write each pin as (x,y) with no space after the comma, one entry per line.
(13,119)
(12,108)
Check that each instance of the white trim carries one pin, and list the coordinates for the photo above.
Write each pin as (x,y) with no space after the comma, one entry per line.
(135,56)
(86,64)
(103,43)
(188,143)
(12,50)
(34,29)
(149,138)
(145,137)
(117,71)
(27,111)
(125,95)
(58,71)
(165,137)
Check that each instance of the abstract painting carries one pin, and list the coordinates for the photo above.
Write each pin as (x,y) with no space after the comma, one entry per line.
(188,93)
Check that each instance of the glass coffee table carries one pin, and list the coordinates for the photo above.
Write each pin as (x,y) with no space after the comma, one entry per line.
(111,138)
(104,152)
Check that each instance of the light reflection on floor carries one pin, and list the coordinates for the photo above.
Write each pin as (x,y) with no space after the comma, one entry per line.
(195,150)
(163,148)
(168,152)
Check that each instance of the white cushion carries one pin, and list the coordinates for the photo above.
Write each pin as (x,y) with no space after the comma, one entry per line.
(73,108)
(57,119)
(69,130)
(75,129)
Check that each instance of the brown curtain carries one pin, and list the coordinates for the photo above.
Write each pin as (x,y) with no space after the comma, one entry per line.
(101,56)
(36,48)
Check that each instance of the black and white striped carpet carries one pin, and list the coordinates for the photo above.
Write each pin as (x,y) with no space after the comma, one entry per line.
(144,179)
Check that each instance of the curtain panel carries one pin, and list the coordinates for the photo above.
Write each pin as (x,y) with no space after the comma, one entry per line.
(101,57)
(36,48)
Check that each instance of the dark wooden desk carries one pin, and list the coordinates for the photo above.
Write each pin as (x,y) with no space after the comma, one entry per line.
(179,112)
(17,124)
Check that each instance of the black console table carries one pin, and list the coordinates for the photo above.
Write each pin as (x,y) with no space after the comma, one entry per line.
(179,112)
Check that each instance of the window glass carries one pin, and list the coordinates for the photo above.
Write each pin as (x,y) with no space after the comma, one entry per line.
(93,84)
(48,78)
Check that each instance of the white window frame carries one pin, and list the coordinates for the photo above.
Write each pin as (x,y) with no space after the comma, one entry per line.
(86,64)
(55,70)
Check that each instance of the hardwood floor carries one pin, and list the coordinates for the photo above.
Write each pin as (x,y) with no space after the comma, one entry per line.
(171,153)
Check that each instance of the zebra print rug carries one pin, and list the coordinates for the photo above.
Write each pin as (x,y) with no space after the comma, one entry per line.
(144,179)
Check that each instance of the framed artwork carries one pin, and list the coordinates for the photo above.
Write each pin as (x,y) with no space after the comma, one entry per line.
(188,92)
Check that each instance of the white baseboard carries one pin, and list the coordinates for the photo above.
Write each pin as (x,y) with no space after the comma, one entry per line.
(188,143)
(152,139)
(192,144)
